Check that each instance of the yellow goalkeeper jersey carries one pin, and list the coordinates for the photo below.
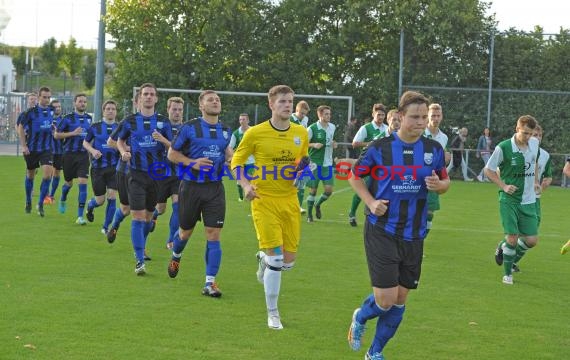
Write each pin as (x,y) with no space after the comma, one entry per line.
(276,153)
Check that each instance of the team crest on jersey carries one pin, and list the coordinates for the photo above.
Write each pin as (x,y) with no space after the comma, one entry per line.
(297,140)
(225,133)
(160,124)
(428,158)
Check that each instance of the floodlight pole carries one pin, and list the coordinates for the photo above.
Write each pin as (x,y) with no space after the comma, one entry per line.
(100,66)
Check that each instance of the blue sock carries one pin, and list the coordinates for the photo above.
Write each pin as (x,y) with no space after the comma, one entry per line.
(137,238)
(213,257)
(81,198)
(179,244)
(369,310)
(146,229)
(173,221)
(155,214)
(44,188)
(117,218)
(64,191)
(29,185)
(54,185)
(92,204)
(386,328)
(109,212)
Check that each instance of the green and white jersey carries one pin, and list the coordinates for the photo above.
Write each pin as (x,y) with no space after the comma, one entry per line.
(544,166)
(517,168)
(303,122)
(236,138)
(369,132)
(440,137)
(325,136)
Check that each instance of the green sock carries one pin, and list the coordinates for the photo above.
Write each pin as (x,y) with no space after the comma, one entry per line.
(509,253)
(310,204)
(324,197)
(300,196)
(240,192)
(355,202)
(521,249)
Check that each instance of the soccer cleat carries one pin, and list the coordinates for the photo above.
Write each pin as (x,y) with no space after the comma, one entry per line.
(152,225)
(211,290)
(261,266)
(352,221)
(240,199)
(310,219)
(565,248)
(508,279)
(40,211)
(140,268)
(303,211)
(28,208)
(90,216)
(355,332)
(499,254)
(62,206)
(103,231)
(274,322)
(173,267)
(375,356)
(516,268)
(80,221)
(146,257)
(318,211)
(111,235)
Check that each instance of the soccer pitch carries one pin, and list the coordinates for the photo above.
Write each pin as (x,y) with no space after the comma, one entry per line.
(68,294)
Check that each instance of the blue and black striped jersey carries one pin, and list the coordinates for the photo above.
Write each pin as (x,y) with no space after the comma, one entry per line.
(97,135)
(69,123)
(37,123)
(57,148)
(122,166)
(399,170)
(197,139)
(145,150)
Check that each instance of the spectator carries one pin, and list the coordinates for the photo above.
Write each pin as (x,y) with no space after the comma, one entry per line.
(484,147)
(349,134)
(458,158)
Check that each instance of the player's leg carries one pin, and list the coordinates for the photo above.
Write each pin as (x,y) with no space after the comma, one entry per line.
(46,164)
(32,165)
(82,177)
(173,224)
(69,173)
(57,166)
(328,182)
(528,225)
(213,213)
(99,186)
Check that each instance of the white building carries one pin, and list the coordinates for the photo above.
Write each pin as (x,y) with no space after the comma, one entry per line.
(6,74)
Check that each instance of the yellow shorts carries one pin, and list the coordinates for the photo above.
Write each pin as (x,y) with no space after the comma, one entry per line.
(277,222)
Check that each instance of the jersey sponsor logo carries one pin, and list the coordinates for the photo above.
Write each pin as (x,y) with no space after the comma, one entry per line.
(147,142)
(408,185)
(408,152)
(212,152)
(225,134)
(297,140)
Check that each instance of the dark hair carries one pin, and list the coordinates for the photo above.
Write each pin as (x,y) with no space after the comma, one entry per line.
(411,97)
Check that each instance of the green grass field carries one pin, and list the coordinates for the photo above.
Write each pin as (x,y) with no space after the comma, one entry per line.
(65,293)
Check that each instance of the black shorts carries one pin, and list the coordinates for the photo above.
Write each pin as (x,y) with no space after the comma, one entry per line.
(122,187)
(201,201)
(392,262)
(103,179)
(58,161)
(142,191)
(75,165)
(35,159)
(167,188)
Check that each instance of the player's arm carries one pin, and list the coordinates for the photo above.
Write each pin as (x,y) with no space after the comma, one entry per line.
(89,147)
(492,171)
(566,170)
(22,137)
(239,158)
(358,140)
(61,134)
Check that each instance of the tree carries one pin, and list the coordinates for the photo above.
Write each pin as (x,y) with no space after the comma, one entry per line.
(19,60)
(88,72)
(71,57)
(50,57)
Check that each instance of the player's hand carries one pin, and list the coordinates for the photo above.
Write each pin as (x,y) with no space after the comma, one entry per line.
(510,189)
(77,131)
(126,156)
(537,189)
(378,207)
(432,181)
(25,150)
(334,144)
(157,136)
(202,163)
(317,145)
(249,192)
(96,154)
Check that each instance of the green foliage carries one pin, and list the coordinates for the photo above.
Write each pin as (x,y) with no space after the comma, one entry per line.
(68,294)
(88,72)
(19,59)
(50,57)
(71,57)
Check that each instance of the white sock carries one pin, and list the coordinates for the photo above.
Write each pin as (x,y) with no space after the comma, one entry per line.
(272,282)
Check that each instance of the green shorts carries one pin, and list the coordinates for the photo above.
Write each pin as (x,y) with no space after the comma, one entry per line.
(433,201)
(322,173)
(518,219)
